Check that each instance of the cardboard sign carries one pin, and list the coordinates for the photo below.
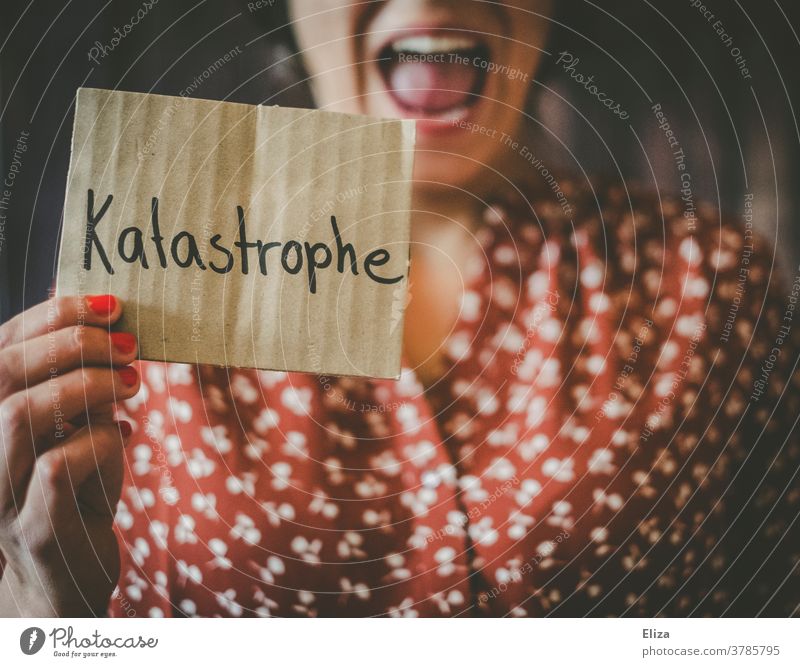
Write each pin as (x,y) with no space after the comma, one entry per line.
(238,235)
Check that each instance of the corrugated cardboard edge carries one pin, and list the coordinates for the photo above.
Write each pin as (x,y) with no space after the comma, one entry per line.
(409,132)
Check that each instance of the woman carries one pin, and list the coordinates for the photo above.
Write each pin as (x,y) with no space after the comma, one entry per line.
(585,423)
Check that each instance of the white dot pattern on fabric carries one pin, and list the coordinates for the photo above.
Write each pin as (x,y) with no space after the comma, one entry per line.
(579,455)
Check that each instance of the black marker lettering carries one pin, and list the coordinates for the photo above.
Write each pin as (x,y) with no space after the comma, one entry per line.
(313,264)
(298,249)
(193,254)
(342,250)
(181,249)
(262,254)
(215,244)
(91,234)
(242,243)
(157,238)
(137,254)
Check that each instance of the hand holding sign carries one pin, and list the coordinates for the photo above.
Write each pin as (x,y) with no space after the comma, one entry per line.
(246,236)
(183,250)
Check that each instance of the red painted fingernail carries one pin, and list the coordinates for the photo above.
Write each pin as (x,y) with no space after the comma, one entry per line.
(124,342)
(129,375)
(102,304)
(125,428)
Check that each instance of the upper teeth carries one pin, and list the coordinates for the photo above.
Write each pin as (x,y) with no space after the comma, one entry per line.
(433,44)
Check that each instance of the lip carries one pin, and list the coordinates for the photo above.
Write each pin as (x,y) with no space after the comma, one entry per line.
(437,123)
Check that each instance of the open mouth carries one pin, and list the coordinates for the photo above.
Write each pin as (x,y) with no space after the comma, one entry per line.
(434,75)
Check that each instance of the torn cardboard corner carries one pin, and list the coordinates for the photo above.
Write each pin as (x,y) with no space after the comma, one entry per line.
(237,235)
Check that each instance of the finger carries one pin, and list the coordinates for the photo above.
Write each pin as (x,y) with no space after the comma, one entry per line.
(60,312)
(55,492)
(28,416)
(35,360)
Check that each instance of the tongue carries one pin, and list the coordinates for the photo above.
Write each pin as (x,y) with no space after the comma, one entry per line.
(432,87)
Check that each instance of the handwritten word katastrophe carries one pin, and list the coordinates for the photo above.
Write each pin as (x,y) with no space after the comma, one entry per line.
(134,246)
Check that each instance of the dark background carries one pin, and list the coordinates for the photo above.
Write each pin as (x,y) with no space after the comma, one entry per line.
(738,133)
